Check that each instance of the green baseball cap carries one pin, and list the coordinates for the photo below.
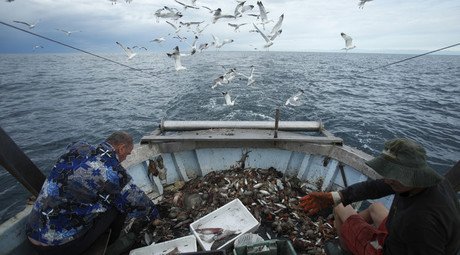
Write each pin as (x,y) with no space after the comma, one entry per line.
(404,160)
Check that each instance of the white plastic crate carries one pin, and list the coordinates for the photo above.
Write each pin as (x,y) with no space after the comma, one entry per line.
(232,216)
(183,244)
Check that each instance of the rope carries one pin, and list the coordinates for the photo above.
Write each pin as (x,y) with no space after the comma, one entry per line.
(75,48)
(372,69)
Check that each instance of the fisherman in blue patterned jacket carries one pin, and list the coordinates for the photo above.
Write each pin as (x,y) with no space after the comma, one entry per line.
(86,193)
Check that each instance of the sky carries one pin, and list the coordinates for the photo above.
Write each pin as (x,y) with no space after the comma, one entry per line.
(382,26)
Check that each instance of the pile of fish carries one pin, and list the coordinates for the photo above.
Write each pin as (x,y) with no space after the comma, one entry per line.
(271,197)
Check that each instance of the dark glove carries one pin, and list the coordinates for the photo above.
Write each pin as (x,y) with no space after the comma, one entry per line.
(316,201)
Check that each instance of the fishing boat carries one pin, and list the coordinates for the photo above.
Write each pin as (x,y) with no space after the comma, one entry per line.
(189,149)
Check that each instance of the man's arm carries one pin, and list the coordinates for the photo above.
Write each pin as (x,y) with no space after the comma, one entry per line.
(365,190)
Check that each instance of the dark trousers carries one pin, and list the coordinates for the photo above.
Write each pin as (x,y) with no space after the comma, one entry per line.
(112,219)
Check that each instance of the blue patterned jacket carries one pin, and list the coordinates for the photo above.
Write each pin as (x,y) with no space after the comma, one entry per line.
(85,182)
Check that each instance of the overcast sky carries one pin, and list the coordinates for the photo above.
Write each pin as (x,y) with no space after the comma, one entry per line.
(382,26)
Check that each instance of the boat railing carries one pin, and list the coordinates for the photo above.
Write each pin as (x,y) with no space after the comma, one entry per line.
(286,131)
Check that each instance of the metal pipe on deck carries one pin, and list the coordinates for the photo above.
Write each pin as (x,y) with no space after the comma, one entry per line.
(172,125)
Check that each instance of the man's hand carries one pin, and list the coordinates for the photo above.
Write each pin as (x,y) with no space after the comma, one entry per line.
(316,201)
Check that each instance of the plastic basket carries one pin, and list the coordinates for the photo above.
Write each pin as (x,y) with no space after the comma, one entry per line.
(270,247)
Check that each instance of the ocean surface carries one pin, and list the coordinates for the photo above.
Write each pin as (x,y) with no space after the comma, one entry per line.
(50,100)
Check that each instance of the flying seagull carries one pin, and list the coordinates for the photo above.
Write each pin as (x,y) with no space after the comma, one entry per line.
(362,2)
(186,5)
(263,14)
(158,40)
(228,99)
(348,42)
(217,42)
(68,33)
(277,26)
(268,40)
(175,54)
(236,26)
(294,100)
(128,51)
(250,77)
(30,25)
(177,29)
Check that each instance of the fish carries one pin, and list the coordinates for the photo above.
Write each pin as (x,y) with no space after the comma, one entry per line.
(224,239)
(209,231)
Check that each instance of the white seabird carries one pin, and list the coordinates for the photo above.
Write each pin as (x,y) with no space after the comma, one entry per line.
(128,51)
(362,2)
(348,42)
(268,40)
(30,25)
(193,45)
(186,5)
(158,40)
(250,77)
(277,26)
(236,26)
(294,100)
(175,54)
(176,28)
(218,15)
(68,33)
(217,42)
(228,99)
(263,14)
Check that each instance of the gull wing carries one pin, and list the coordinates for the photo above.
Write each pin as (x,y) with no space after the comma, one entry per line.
(263,13)
(277,26)
(22,22)
(261,33)
(174,26)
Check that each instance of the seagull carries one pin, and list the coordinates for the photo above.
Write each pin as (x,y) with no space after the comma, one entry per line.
(176,55)
(228,99)
(294,100)
(250,77)
(176,29)
(209,9)
(263,14)
(158,40)
(218,81)
(236,26)
(30,25)
(269,40)
(362,2)
(167,12)
(68,33)
(203,46)
(226,78)
(348,42)
(193,45)
(186,5)
(140,47)
(200,30)
(277,26)
(128,51)
(37,47)
(217,42)
(218,15)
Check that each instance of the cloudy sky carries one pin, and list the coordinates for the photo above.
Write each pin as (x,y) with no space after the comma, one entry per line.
(382,26)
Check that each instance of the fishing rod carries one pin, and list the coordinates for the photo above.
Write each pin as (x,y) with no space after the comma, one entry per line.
(75,48)
(453,45)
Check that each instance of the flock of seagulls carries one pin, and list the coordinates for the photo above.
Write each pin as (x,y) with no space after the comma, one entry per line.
(173,17)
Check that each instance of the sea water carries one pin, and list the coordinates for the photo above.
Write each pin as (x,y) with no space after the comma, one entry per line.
(50,100)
